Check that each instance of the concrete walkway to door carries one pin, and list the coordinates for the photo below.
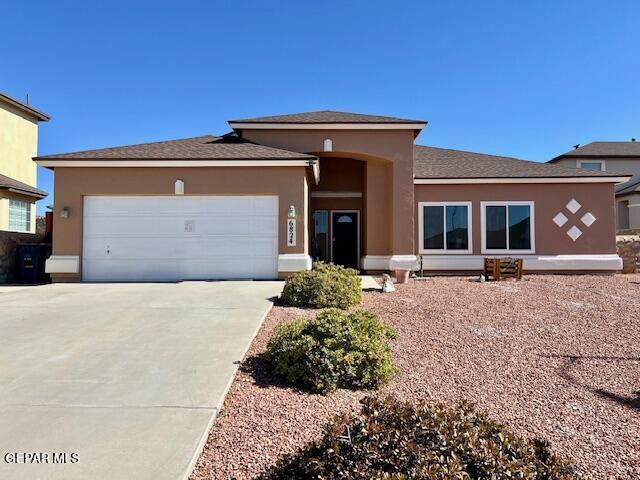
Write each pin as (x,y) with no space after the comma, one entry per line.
(128,377)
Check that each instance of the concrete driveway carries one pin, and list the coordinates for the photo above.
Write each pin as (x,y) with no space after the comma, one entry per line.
(121,380)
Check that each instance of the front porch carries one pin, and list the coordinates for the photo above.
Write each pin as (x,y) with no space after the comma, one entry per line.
(351,215)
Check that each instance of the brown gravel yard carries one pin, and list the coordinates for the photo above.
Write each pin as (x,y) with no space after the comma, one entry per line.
(552,356)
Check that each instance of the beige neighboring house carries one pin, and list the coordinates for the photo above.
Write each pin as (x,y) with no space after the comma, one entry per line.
(18,145)
(615,157)
(278,192)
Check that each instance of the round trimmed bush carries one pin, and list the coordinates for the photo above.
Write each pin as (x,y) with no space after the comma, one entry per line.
(395,440)
(337,349)
(327,285)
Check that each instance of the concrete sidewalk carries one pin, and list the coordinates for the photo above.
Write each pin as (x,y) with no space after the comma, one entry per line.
(128,377)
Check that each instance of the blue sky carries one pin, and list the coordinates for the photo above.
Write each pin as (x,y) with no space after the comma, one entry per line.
(525,79)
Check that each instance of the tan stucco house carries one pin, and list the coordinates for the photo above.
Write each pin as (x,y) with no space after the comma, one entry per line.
(18,145)
(614,157)
(277,192)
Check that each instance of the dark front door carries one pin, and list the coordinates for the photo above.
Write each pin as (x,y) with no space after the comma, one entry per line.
(344,246)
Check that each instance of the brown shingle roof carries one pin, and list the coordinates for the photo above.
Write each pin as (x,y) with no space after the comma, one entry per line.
(24,107)
(206,147)
(325,116)
(629,186)
(432,162)
(14,185)
(604,149)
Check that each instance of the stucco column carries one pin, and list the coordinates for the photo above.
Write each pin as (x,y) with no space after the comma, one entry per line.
(378,212)
(403,243)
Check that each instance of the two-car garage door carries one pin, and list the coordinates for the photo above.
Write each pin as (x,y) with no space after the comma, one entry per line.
(179,238)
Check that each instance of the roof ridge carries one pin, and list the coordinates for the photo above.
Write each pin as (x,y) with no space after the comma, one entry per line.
(324,116)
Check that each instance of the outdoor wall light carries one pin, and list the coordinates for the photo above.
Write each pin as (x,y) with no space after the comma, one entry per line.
(64,213)
(292,211)
(179,187)
(328,145)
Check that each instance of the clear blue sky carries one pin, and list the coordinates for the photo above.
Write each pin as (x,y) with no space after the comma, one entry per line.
(525,79)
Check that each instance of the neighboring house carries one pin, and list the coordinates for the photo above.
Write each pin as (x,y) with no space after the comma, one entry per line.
(263,200)
(18,145)
(616,157)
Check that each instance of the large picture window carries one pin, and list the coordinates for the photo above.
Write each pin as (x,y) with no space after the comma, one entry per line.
(19,216)
(445,227)
(507,227)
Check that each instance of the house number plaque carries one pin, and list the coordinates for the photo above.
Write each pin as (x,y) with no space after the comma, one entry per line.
(291,232)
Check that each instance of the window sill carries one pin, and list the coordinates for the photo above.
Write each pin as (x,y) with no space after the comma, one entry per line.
(508,252)
(444,252)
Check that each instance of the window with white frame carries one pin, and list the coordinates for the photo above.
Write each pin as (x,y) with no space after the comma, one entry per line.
(591,165)
(19,216)
(507,227)
(445,227)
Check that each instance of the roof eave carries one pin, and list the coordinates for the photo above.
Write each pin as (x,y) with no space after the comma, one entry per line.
(480,180)
(30,193)
(41,116)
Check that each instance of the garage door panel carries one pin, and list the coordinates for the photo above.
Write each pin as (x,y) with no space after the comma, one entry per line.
(134,226)
(175,238)
(163,247)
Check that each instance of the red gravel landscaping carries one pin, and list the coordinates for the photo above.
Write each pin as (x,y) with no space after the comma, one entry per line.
(552,356)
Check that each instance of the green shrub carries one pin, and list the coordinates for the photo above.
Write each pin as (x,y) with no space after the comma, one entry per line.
(394,440)
(325,286)
(337,349)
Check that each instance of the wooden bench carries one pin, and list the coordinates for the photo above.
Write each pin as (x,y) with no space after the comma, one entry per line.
(502,268)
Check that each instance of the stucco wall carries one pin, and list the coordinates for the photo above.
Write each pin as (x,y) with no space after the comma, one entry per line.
(18,144)
(72,184)
(629,166)
(389,202)
(549,199)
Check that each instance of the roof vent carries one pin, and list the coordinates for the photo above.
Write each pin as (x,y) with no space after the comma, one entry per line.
(576,146)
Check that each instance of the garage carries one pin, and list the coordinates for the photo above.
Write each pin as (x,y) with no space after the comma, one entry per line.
(172,238)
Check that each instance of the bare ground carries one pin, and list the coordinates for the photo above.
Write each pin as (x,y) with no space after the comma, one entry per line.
(552,356)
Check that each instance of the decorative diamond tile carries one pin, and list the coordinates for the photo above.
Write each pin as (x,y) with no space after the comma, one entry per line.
(588,219)
(574,232)
(560,219)
(573,206)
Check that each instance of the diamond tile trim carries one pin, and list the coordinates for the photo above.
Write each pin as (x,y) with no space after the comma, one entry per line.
(588,219)
(574,232)
(573,206)
(560,219)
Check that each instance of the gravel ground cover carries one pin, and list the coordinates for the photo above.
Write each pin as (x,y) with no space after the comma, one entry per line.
(552,356)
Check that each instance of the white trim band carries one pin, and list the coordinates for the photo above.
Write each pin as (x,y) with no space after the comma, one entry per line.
(180,163)
(62,264)
(375,262)
(326,126)
(336,194)
(606,262)
(389,262)
(464,181)
(294,262)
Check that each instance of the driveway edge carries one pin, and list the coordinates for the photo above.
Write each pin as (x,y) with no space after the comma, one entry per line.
(205,435)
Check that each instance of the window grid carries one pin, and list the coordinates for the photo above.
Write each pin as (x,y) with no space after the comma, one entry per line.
(19,216)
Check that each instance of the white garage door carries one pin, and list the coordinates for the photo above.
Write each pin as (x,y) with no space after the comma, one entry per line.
(179,238)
